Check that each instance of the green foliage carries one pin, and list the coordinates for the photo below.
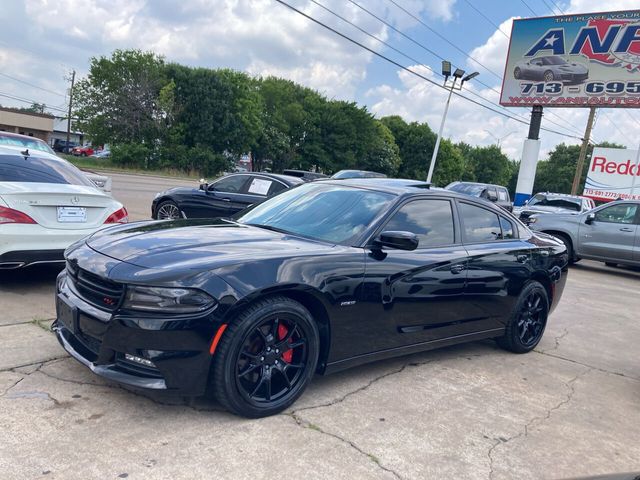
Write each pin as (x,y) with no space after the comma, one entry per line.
(556,173)
(489,165)
(132,155)
(117,101)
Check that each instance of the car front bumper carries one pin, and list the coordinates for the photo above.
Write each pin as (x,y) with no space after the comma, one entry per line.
(176,347)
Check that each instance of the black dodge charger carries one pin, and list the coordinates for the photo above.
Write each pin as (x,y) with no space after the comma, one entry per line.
(322,277)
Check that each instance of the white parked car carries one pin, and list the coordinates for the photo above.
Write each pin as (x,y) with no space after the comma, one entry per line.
(46,204)
(18,143)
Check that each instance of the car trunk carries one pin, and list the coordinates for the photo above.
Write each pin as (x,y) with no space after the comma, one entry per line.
(60,206)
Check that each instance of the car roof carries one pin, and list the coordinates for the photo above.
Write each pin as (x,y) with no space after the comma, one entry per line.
(476,183)
(562,195)
(17,135)
(288,179)
(17,150)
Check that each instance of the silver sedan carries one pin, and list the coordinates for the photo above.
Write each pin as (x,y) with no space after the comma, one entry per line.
(608,233)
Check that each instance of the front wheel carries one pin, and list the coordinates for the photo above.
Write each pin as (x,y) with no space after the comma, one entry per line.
(528,320)
(168,210)
(548,76)
(266,358)
(517,73)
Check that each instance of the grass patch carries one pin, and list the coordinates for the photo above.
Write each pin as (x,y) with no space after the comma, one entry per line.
(43,323)
(106,165)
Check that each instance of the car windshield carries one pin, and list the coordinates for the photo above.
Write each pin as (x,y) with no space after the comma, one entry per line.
(16,168)
(553,61)
(467,188)
(557,202)
(32,144)
(332,213)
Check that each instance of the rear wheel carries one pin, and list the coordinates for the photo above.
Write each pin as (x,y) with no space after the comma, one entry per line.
(517,73)
(548,76)
(266,358)
(611,264)
(528,320)
(168,210)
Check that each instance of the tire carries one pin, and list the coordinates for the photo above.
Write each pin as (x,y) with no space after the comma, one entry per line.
(168,210)
(611,264)
(251,376)
(83,154)
(528,320)
(517,73)
(548,76)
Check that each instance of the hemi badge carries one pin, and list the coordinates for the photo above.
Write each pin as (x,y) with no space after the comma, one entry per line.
(347,304)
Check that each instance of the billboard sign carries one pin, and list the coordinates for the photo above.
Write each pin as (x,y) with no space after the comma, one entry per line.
(580,60)
(611,175)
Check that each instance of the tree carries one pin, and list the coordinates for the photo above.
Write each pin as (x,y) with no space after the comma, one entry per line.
(490,165)
(118,101)
(556,173)
(416,142)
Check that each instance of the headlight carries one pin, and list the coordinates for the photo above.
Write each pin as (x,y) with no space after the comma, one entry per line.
(167,300)
(531,220)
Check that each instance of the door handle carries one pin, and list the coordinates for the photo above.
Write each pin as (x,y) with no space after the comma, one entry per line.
(458,268)
(522,258)
(626,229)
(225,199)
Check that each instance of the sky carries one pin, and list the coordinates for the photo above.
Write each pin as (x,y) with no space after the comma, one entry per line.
(42,41)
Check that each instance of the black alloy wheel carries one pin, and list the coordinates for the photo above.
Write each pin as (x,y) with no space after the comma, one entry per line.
(168,210)
(528,320)
(266,358)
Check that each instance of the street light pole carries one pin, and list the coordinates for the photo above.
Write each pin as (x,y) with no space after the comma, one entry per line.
(432,165)
(457,75)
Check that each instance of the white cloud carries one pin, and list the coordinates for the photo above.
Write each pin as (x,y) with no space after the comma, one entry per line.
(493,52)
(585,6)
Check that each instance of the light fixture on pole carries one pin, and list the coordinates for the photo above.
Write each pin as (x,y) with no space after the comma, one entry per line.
(499,139)
(458,74)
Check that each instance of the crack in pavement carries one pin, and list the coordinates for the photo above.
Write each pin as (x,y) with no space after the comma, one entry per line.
(592,367)
(12,386)
(375,460)
(525,432)
(557,340)
(11,369)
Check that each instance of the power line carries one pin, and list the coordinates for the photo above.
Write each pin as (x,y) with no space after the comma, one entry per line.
(412,59)
(419,20)
(575,130)
(549,7)
(31,102)
(399,65)
(32,85)
(557,6)
(487,18)
(530,9)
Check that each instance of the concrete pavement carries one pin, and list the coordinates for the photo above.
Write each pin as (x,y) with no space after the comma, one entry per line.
(569,409)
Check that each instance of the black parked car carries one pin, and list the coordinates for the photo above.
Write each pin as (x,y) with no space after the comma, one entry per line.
(222,198)
(322,277)
(494,193)
(62,146)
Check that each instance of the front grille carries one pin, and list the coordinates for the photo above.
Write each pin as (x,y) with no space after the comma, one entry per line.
(96,290)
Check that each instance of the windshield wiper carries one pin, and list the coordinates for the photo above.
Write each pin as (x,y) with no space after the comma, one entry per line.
(269,227)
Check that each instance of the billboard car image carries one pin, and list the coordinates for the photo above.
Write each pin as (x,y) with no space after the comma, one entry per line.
(611,175)
(578,60)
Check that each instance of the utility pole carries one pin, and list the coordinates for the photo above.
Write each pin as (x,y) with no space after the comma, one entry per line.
(583,151)
(73,79)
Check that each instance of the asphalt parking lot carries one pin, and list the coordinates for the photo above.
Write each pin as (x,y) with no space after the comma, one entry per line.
(569,409)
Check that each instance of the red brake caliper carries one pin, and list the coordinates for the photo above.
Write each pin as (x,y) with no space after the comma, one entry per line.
(282,334)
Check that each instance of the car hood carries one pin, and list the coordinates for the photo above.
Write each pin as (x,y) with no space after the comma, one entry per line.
(543,209)
(197,244)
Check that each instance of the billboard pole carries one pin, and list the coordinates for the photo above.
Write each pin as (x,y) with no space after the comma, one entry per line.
(529,161)
(583,152)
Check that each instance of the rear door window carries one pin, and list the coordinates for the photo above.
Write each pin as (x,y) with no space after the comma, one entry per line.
(259,186)
(478,224)
(16,168)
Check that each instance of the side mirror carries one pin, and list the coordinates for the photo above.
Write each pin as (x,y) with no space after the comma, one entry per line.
(492,196)
(204,185)
(590,218)
(398,240)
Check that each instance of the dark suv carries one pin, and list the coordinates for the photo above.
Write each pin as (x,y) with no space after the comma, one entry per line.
(494,193)
(63,146)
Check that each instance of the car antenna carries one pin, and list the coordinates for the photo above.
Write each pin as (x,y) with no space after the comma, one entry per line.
(25,153)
